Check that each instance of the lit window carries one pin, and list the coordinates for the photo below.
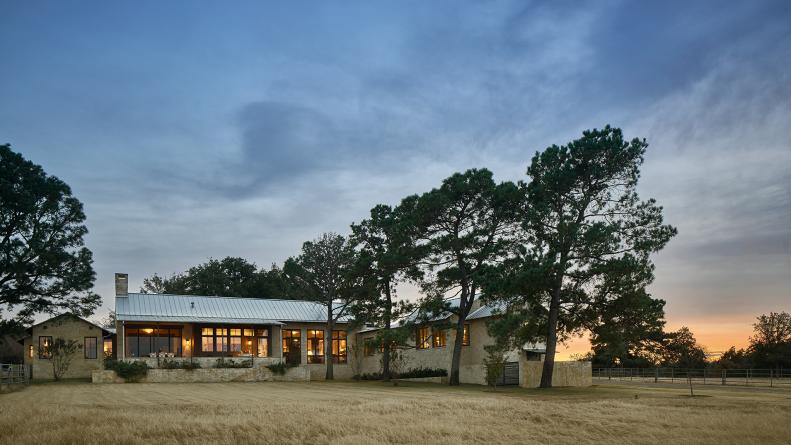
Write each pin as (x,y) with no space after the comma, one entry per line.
(30,351)
(439,338)
(262,336)
(465,339)
(423,338)
(207,340)
(44,343)
(339,346)
(143,341)
(291,346)
(315,346)
(236,341)
(108,347)
(89,347)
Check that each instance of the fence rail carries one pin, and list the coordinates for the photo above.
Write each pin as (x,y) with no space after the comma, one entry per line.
(739,377)
(14,375)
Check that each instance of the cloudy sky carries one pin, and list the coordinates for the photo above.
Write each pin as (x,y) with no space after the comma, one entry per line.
(195,130)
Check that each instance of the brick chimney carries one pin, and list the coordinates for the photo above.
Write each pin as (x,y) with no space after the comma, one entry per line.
(121,284)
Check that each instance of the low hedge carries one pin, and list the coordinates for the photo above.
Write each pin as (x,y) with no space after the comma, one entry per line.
(129,371)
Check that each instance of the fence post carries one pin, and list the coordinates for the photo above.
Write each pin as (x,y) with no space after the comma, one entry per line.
(656,375)
(724,376)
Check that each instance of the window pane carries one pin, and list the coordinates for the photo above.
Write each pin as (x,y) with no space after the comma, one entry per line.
(207,344)
(175,346)
(144,346)
(89,347)
(131,346)
(221,331)
(466,336)
(207,331)
(262,332)
(162,344)
(248,333)
(222,344)
(236,332)
(236,344)
(263,347)
(44,344)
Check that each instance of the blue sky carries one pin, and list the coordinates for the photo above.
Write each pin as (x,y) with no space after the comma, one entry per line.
(192,130)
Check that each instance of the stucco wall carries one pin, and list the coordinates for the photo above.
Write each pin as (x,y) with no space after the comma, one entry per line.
(564,373)
(68,328)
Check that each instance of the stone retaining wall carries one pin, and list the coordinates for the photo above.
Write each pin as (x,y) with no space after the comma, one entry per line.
(210,375)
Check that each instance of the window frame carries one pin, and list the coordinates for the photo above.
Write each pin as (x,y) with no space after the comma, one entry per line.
(43,353)
(340,358)
(156,333)
(85,348)
(438,338)
(315,346)
(423,338)
(465,335)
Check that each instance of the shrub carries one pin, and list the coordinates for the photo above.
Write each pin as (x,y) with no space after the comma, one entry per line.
(129,371)
(176,364)
(417,373)
(222,363)
(279,368)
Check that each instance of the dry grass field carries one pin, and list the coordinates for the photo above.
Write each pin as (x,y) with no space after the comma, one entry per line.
(372,412)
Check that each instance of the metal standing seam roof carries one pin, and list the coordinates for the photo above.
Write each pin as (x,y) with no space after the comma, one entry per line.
(199,309)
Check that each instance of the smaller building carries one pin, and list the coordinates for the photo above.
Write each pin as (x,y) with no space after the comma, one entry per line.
(96,343)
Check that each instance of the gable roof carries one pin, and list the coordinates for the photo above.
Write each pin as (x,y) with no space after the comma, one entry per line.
(205,309)
(66,314)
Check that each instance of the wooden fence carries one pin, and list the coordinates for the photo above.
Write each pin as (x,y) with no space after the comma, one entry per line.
(740,377)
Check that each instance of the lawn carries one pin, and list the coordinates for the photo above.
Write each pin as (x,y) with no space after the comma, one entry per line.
(373,412)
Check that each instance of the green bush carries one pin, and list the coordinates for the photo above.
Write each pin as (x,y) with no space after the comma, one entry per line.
(222,363)
(279,368)
(129,371)
(417,373)
(176,364)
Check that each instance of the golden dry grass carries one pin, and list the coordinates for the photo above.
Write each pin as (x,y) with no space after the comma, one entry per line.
(372,412)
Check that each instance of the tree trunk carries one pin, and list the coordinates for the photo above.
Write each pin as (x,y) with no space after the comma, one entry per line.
(328,342)
(387,342)
(552,339)
(456,361)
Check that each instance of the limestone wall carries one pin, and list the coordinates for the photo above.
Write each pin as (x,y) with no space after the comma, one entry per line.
(68,328)
(564,374)
(471,367)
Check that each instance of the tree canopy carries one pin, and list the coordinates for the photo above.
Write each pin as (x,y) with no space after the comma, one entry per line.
(44,265)
(465,227)
(586,237)
(228,277)
(328,266)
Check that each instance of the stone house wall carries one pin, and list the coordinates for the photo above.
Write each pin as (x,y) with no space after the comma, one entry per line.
(69,328)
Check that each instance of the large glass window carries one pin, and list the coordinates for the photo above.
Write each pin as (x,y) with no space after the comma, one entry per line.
(438,338)
(262,337)
(89,346)
(292,348)
(315,346)
(423,338)
(465,339)
(339,346)
(44,343)
(107,347)
(235,341)
(144,341)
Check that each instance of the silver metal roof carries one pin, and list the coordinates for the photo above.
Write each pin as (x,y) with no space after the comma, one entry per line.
(203,309)
(486,311)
